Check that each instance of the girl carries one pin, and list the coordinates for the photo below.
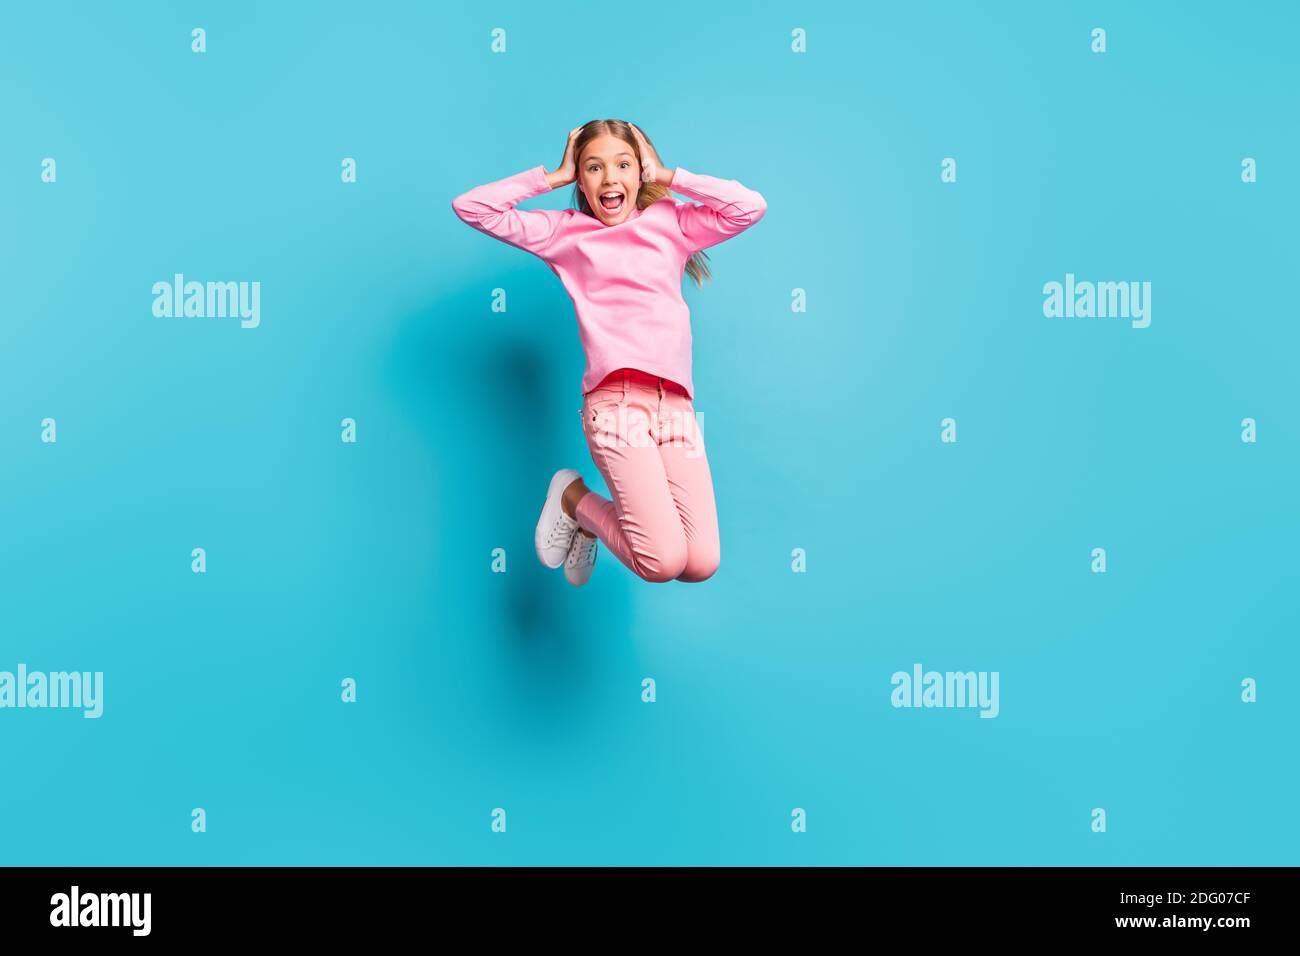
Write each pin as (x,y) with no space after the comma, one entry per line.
(620,255)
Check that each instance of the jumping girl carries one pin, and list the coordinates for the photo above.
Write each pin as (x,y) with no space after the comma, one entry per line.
(621,255)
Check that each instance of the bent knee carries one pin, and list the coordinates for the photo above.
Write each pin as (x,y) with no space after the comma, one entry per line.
(666,563)
(701,565)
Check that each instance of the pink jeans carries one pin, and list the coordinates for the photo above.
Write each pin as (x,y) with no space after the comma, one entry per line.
(643,435)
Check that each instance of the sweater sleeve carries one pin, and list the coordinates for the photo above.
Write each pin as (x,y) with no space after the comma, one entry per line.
(728,208)
(491,209)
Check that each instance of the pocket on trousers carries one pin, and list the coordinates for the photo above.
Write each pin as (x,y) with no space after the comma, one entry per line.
(602,410)
(602,398)
(680,426)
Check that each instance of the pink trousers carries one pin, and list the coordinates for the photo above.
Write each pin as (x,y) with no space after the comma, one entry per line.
(645,439)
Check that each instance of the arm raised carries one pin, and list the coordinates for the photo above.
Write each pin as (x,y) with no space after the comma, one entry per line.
(490,209)
(725,208)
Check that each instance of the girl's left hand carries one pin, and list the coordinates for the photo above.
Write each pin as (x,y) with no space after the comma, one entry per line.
(649,158)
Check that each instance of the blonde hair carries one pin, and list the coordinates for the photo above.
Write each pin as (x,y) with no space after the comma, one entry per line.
(697,266)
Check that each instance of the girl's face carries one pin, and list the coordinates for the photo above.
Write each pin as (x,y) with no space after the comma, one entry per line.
(610,177)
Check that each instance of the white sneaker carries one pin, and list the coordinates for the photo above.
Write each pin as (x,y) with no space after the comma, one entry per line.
(555,529)
(581,559)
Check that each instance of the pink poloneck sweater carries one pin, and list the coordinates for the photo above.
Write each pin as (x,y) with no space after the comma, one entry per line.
(625,280)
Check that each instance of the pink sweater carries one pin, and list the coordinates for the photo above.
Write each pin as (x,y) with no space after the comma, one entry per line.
(625,280)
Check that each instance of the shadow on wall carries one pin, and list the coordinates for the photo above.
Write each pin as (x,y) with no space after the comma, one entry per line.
(496,399)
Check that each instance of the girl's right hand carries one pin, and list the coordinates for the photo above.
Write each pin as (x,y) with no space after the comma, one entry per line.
(568,169)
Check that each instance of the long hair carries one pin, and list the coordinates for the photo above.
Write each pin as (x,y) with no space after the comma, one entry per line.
(697,266)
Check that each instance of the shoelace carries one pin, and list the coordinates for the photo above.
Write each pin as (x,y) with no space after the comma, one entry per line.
(563,528)
(581,550)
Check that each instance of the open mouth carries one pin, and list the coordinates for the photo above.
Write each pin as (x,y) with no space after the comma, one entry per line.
(611,201)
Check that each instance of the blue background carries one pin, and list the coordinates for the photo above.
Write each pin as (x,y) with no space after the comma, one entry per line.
(373,561)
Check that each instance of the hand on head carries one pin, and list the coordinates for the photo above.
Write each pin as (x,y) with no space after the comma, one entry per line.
(569,165)
(649,158)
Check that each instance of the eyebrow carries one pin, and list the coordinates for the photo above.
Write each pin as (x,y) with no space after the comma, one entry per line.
(597,158)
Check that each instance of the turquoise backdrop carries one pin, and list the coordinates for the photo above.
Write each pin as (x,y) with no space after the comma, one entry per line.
(373,561)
